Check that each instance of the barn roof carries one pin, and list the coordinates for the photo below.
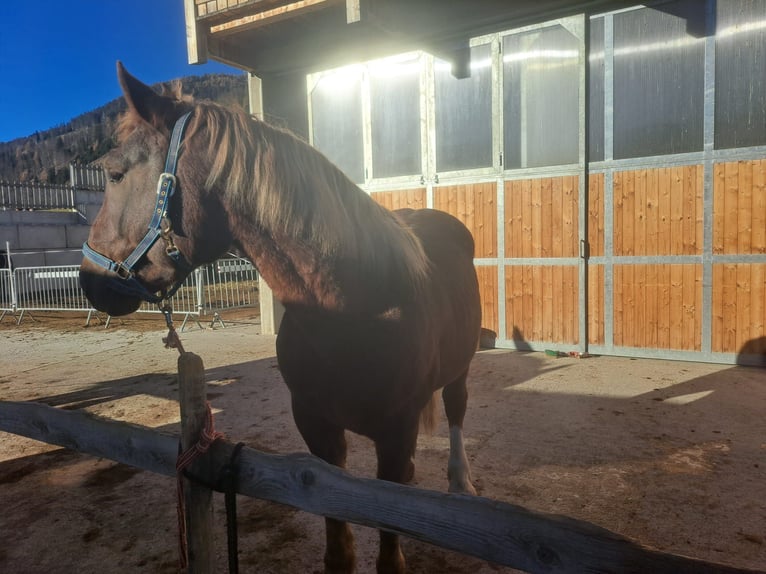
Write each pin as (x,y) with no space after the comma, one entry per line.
(271,37)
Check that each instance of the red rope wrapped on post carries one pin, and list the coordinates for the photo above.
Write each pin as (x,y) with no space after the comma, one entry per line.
(208,436)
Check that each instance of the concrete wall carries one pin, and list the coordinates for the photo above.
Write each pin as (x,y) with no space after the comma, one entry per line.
(45,238)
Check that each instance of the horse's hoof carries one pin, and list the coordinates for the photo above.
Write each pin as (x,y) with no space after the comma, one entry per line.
(409,473)
(393,565)
(340,565)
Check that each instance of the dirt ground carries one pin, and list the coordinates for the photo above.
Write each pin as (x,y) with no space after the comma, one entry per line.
(671,454)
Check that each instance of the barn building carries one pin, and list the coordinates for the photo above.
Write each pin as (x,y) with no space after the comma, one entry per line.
(608,157)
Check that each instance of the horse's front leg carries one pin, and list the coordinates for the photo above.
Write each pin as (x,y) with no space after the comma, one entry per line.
(328,442)
(395,453)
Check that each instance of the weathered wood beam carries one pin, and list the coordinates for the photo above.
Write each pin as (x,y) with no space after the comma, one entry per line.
(495,531)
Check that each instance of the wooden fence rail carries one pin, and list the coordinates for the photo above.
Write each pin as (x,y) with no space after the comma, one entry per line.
(495,531)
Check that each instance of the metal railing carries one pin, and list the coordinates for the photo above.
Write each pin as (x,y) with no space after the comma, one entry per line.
(84,176)
(36,195)
(226,284)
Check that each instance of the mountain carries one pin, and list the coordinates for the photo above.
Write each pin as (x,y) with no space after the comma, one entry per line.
(46,155)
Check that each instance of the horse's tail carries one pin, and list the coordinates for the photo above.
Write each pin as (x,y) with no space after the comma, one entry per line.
(429,415)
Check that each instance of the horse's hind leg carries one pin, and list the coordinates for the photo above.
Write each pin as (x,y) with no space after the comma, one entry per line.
(328,442)
(455,397)
(395,451)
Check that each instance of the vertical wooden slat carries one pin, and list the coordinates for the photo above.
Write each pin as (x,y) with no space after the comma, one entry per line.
(663,211)
(650,306)
(719,182)
(744,207)
(629,207)
(676,306)
(595,305)
(618,191)
(571,216)
(758,243)
(699,210)
(729,339)
(557,278)
(629,305)
(487,276)
(618,322)
(537,302)
(514,286)
(526,218)
(676,210)
(639,229)
(557,217)
(639,313)
(595,215)
(548,223)
(513,218)
(652,215)
(691,323)
(571,311)
(758,301)
(536,221)
(689,241)
(663,305)
(743,309)
(731,207)
(526,324)
(548,294)
(716,335)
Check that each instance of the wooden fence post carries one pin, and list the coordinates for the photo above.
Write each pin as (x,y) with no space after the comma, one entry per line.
(198,499)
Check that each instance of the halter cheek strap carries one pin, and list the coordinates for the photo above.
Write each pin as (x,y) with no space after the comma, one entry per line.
(126,281)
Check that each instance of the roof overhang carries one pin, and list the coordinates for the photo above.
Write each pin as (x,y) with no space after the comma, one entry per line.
(272,37)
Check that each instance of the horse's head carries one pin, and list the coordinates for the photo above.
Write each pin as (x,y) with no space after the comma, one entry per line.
(146,238)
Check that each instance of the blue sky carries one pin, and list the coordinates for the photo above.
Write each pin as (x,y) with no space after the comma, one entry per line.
(57,58)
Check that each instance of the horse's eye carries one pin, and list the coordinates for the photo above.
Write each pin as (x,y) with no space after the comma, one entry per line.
(116,176)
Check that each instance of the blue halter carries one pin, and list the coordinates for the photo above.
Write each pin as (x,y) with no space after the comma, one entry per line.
(126,281)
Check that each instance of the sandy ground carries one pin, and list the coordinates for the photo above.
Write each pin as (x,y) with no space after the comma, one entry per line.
(669,453)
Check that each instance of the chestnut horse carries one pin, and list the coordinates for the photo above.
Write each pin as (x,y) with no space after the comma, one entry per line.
(381,308)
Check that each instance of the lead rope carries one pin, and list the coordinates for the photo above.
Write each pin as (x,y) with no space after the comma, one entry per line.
(230,471)
(172,341)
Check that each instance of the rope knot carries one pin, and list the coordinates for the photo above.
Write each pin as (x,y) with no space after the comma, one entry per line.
(207,437)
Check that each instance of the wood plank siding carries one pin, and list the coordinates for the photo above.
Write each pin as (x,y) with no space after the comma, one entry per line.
(401,199)
(658,211)
(541,217)
(739,230)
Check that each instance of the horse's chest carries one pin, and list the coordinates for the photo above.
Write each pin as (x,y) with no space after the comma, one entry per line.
(354,361)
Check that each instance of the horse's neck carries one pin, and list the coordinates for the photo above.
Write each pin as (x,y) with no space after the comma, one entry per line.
(298,276)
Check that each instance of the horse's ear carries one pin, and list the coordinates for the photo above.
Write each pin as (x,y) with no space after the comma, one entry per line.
(159,111)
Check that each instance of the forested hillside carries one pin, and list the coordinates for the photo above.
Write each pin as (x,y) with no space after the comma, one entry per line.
(46,155)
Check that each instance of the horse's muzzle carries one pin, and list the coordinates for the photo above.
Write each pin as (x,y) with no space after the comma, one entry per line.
(99,290)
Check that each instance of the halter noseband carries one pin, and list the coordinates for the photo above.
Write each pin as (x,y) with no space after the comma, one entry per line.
(126,281)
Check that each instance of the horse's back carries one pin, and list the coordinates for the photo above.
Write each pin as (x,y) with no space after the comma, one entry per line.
(452,297)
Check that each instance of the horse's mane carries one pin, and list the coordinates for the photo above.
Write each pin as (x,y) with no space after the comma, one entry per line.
(290,188)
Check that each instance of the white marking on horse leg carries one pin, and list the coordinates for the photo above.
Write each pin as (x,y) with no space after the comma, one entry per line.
(458,469)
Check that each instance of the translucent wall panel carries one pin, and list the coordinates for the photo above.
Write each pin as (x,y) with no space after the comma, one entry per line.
(464,114)
(336,120)
(658,82)
(740,74)
(395,116)
(541,85)
(596,91)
